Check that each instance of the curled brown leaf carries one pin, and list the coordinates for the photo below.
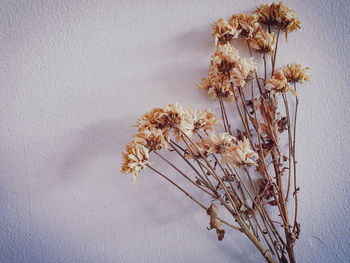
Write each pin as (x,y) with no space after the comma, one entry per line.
(214,222)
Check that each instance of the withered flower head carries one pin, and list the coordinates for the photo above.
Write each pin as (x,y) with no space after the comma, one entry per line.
(243,72)
(240,154)
(263,42)
(296,73)
(151,138)
(156,118)
(227,70)
(217,84)
(225,57)
(135,159)
(217,142)
(278,83)
(223,31)
(180,119)
(247,24)
(278,15)
(203,120)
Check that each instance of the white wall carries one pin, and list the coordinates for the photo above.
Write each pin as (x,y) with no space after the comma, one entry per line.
(74,77)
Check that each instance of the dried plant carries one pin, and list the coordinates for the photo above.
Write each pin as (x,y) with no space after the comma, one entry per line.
(246,172)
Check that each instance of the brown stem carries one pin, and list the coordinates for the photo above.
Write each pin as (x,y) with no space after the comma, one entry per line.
(294,160)
(206,182)
(289,144)
(264,56)
(190,196)
(274,55)
(256,74)
(184,175)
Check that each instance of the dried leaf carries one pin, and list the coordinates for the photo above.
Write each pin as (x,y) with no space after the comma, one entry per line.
(214,223)
(267,109)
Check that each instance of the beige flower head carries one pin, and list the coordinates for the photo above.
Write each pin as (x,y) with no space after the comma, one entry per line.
(204,120)
(135,159)
(296,73)
(243,72)
(240,154)
(217,142)
(263,42)
(247,24)
(217,85)
(151,138)
(278,15)
(180,119)
(278,83)
(227,71)
(225,57)
(156,118)
(224,32)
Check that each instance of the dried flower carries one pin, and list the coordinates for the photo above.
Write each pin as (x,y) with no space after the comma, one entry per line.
(263,42)
(278,83)
(135,159)
(204,120)
(243,72)
(278,15)
(217,142)
(152,138)
(217,85)
(295,73)
(224,31)
(227,70)
(247,24)
(155,118)
(225,57)
(180,120)
(240,154)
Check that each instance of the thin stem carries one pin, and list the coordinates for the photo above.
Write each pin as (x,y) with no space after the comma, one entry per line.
(244,121)
(261,213)
(179,187)
(264,56)
(207,183)
(275,53)
(222,114)
(184,175)
(201,167)
(289,144)
(190,196)
(294,160)
(256,74)
(225,115)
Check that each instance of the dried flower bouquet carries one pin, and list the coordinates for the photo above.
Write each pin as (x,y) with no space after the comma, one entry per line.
(246,172)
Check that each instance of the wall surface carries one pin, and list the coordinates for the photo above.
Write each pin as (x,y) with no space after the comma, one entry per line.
(74,77)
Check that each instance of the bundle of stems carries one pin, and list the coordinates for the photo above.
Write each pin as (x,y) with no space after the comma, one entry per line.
(247,172)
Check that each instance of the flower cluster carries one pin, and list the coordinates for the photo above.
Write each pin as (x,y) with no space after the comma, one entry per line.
(246,26)
(155,128)
(233,151)
(227,71)
(281,78)
(249,26)
(278,15)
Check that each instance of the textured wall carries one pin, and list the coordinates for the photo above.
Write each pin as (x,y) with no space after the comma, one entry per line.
(75,75)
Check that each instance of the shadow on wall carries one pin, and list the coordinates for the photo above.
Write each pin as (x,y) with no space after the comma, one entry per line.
(103,138)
